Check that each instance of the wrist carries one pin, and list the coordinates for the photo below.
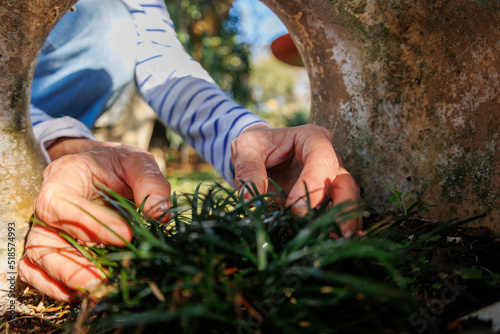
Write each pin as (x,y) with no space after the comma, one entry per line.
(257,127)
(68,145)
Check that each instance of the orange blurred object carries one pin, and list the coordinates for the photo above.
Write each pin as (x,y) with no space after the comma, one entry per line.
(285,50)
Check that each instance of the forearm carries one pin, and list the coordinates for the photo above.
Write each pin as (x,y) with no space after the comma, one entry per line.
(63,135)
(182,93)
(205,117)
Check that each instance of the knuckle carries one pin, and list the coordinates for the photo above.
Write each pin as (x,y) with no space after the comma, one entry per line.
(244,172)
(350,183)
(328,134)
(23,270)
(152,177)
(340,161)
(35,251)
(47,171)
(136,155)
(321,130)
(234,144)
(244,139)
(330,158)
(32,254)
(54,166)
(354,189)
(43,201)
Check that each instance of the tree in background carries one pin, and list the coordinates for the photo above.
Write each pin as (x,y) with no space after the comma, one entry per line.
(271,80)
(208,30)
(275,93)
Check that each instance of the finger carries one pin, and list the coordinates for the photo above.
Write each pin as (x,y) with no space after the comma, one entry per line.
(249,154)
(345,190)
(320,166)
(63,207)
(142,174)
(61,261)
(34,275)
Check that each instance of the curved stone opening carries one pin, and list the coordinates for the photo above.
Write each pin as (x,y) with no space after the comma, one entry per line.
(412,101)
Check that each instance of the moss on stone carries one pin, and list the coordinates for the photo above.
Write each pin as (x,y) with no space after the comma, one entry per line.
(19,103)
(473,165)
(348,13)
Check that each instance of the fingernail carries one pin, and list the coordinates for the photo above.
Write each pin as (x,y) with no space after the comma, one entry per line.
(93,284)
(244,193)
(300,207)
(158,203)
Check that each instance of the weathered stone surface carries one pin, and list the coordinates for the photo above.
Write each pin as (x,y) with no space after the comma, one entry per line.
(410,90)
(24,26)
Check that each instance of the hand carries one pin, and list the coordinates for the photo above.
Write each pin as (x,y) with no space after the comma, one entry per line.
(292,157)
(53,266)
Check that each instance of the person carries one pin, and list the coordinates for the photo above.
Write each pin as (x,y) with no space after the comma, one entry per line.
(88,58)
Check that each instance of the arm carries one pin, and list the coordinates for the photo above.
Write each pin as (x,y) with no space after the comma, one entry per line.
(70,183)
(296,158)
(60,136)
(181,92)
(186,99)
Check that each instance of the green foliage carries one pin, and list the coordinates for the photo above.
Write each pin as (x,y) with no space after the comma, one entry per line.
(274,79)
(223,264)
(227,265)
(298,118)
(399,198)
(188,182)
(208,31)
(279,92)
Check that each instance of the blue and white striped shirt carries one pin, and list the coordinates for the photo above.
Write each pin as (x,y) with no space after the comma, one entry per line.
(180,91)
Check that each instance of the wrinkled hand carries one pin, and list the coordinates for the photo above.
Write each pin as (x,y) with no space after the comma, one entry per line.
(292,157)
(53,266)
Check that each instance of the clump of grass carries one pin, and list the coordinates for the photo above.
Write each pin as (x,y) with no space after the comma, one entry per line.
(227,265)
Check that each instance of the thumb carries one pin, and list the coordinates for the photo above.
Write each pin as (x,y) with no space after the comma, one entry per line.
(249,156)
(142,174)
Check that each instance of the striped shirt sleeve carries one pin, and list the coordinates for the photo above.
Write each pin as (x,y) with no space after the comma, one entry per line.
(47,129)
(181,92)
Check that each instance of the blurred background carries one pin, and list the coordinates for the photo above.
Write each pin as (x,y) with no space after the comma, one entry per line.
(232,40)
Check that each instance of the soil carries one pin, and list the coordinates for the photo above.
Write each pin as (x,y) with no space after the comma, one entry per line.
(465,247)
(36,313)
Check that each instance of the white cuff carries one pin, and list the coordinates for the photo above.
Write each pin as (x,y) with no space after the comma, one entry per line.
(51,129)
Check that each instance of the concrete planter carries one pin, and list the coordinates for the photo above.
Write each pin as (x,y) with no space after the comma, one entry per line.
(24,26)
(410,90)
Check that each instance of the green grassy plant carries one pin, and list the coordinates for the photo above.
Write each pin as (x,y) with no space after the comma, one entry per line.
(227,265)
(398,198)
(188,183)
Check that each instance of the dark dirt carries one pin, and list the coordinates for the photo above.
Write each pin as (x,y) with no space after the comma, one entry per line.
(466,247)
